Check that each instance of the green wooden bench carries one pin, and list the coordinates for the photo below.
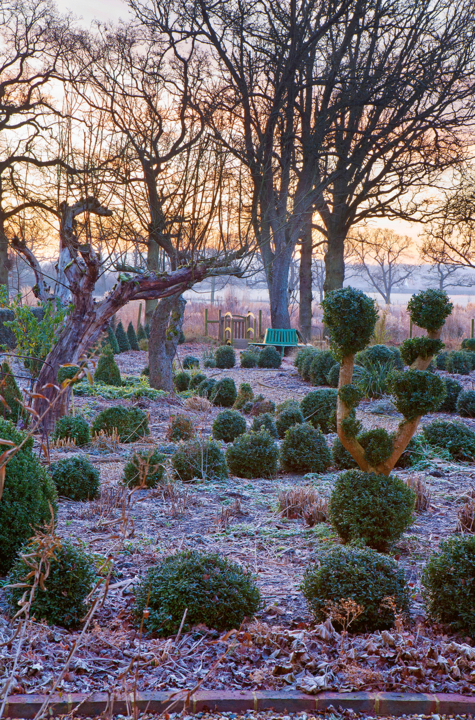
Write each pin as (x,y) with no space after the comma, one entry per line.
(281,339)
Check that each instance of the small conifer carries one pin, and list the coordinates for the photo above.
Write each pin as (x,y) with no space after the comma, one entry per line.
(132,337)
(107,370)
(112,340)
(141,335)
(122,339)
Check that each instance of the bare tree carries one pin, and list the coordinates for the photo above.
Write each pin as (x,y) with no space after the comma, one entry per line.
(377,255)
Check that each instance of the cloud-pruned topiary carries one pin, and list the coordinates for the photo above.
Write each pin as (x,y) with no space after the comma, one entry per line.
(253,455)
(228,425)
(448,580)
(455,437)
(362,575)
(269,357)
(266,422)
(27,492)
(374,509)
(224,393)
(466,404)
(121,337)
(212,590)
(423,347)
(453,390)
(319,409)
(350,317)
(304,449)
(132,337)
(62,600)
(145,467)
(107,370)
(225,357)
(10,409)
(377,445)
(417,392)
(429,308)
(288,414)
(131,423)
(76,478)
(72,427)
(201,460)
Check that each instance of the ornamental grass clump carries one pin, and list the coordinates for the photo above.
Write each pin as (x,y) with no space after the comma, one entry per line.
(449,584)
(269,357)
(132,337)
(10,408)
(359,589)
(145,468)
(228,425)
(466,404)
(107,370)
(180,427)
(72,427)
(370,508)
(202,460)
(350,317)
(224,393)
(62,599)
(130,423)
(76,478)
(28,492)
(225,357)
(121,338)
(319,409)
(204,588)
(253,455)
(288,414)
(265,422)
(455,437)
(304,450)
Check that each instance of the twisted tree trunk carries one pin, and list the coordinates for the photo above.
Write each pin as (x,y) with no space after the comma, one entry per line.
(165,329)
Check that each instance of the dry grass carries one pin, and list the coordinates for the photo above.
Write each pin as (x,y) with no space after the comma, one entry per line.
(466,514)
(198,404)
(304,502)
(111,499)
(422,491)
(105,442)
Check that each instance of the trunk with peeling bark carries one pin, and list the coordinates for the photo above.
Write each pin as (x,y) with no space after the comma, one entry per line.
(165,329)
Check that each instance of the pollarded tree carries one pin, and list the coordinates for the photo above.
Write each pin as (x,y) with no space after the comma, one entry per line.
(350,317)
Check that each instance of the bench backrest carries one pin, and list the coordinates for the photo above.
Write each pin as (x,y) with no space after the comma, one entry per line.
(280,337)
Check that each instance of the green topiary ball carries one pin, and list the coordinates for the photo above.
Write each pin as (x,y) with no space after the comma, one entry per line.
(62,601)
(202,460)
(224,393)
(319,409)
(429,308)
(362,576)
(289,415)
(228,425)
(121,338)
(322,363)
(213,590)
(266,422)
(248,359)
(244,396)
(441,360)
(333,375)
(304,450)
(269,357)
(190,362)
(180,427)
(459,362)
(131,423)
(253,455)
(72,427)
(376,354)
(306,363)
(225,357)
(27,492)
(468,344)
(375,509)
(449,584)
(422,347)
(205,387)
(350,317)
(342,459)
(351,395)
(417,392)
(453,390)
(145,468)
(132,337)
(181,381)
(76,478)
(195,380)
(455,437)
(466,404)
(301,355)
(377,444)
(107,370)
(11,394)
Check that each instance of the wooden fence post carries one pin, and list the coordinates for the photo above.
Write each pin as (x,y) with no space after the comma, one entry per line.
(471,328)
(206,322)
(410,328)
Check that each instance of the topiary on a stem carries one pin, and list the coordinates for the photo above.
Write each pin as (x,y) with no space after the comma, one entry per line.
(350,317)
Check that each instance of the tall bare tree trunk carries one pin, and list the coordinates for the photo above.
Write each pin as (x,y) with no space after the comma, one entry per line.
(4,263)
(335,261)
(165,329)
(152,264)
(305,282)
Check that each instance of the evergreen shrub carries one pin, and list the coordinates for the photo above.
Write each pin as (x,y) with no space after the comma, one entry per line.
(441,360)
(214,591)
(180,427)
(107,370)
(453,390)
(377,444)
(363,576)
(244,396)
(224,393)
(190,362)
(112,340)
(181,381)
(429,308)
(304,449)
(131,423)
(322,363)
(287,416)
(459,362)
(225,357)
(468,344)
(417,392)
(333,375)
(422,347)
(72,427)
(248,359)
(228,425)
(67,372)
(319,409)
(202,460)
(455,437)
(269,357)
(76,478)
(141,334)
(195,380)
(466,404)
(350,317)
(259,406)
(132,337)
(266,422)
(307,362)
(374,509)
(144,467)
(205,387)
(380,354)
(121,337)
(253,455)
(342,459)
(11,394)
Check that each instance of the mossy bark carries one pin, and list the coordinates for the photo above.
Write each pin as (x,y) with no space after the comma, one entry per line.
(165,329)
